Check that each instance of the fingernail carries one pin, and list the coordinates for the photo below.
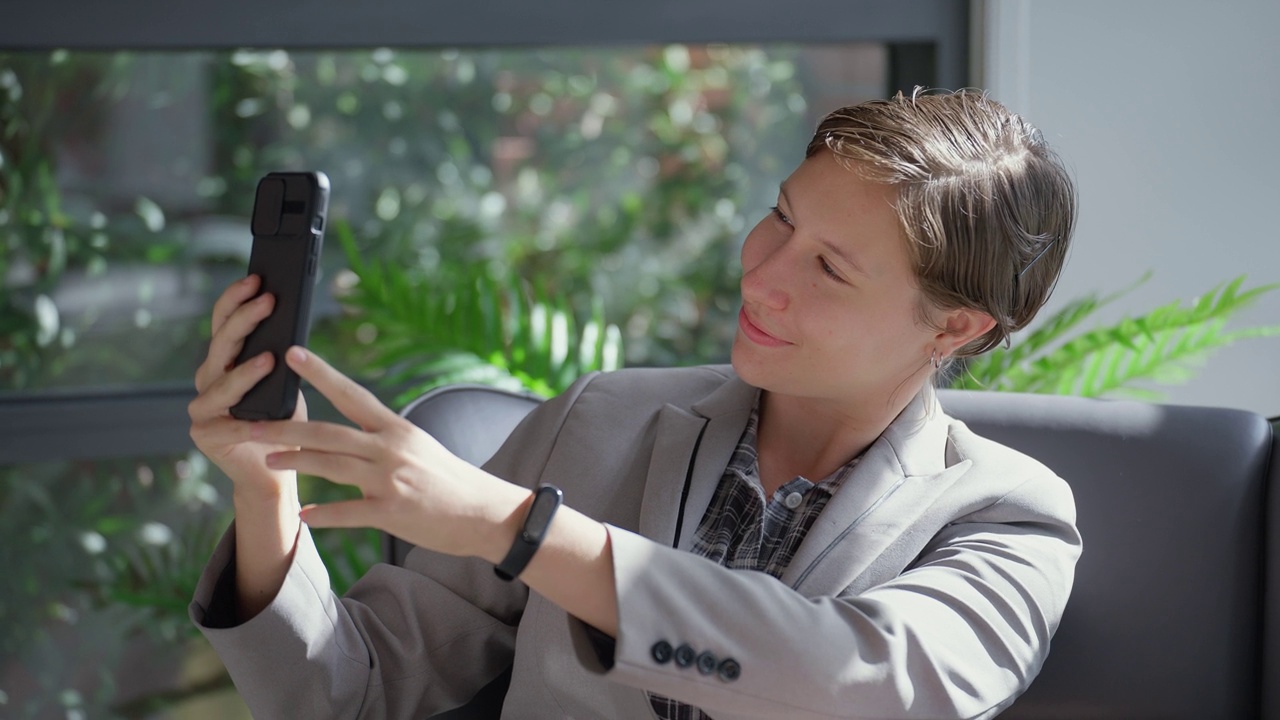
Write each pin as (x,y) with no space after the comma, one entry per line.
(257,430)
(262,360)
(248,279)
(297,354)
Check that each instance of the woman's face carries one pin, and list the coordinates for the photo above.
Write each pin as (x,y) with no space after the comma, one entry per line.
(829,298)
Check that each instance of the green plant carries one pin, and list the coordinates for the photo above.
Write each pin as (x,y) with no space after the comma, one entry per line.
(1161,345)
(619,178)
(461,325)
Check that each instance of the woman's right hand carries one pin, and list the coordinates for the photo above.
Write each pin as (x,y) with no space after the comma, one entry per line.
(220,384)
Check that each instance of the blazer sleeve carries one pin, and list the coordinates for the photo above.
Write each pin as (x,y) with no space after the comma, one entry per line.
(959,634)
(405,642)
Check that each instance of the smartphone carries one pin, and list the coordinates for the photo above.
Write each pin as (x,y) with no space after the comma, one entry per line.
(288,231)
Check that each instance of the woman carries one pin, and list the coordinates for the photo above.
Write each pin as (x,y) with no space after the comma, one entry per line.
(803,535)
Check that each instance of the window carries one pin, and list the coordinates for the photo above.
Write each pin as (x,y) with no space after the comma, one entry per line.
(131,179)
(614,160)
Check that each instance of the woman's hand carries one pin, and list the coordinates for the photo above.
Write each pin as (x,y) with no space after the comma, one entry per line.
(417,490)
(266,499)
(221,384)
(413,487)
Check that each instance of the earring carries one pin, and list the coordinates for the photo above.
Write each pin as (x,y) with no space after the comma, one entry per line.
(935,360)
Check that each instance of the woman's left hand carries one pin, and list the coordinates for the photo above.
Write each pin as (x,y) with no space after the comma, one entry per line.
(413,487)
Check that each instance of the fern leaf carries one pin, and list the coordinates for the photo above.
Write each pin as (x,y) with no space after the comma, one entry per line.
(521,332)
(1130,349)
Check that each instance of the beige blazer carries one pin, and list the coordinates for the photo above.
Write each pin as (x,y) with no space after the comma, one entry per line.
(928,588)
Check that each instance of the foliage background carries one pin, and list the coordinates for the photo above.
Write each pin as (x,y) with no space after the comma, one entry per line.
(607,189)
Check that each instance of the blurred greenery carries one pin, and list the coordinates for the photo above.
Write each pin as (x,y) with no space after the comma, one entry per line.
(95,552)
(50,238)
(515,216)
(468,327)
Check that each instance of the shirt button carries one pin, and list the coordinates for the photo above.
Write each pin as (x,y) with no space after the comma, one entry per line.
(793,500)
(684,656)
(661,652)
(706,663)
(730,670)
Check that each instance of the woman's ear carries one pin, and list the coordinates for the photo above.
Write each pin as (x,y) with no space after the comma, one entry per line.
(963,326)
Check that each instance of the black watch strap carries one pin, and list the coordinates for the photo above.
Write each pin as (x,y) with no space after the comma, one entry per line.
(546,500)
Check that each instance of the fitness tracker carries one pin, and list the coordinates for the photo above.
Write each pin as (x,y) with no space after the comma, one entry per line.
(546,500)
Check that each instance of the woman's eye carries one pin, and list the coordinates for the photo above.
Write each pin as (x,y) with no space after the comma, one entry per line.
(830,271)
(777,212)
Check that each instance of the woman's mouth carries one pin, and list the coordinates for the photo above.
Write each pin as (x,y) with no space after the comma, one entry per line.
(755,334)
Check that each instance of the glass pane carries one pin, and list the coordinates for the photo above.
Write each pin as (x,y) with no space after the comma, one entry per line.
(100,558)
(100,562)
(621,180)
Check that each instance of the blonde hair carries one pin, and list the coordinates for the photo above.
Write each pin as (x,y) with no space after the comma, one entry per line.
(986,206)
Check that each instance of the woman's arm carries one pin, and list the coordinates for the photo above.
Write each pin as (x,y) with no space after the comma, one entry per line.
(403,642)
(417,490)
(959,634)
(265,500)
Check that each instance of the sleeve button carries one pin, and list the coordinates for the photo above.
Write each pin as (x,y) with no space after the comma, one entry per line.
(661,652)
(730,670)
(706,663)
(684,656)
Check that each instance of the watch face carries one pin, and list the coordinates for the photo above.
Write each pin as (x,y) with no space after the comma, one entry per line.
(544,506)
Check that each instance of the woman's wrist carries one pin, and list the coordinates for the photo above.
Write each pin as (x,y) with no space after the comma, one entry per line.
(253,496)
(506,518)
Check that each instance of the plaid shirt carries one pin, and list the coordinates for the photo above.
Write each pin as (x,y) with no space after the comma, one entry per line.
(742,532)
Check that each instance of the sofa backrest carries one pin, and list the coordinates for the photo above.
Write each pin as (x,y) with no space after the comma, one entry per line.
(1166,616)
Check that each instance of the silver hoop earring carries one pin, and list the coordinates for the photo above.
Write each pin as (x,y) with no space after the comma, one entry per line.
(934,360)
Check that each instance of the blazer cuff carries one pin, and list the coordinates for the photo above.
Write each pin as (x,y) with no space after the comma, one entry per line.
(301,622)
(221,613)
(213,603)
(658,649)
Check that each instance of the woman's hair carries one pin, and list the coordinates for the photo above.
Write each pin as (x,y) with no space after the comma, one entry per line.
(987,208)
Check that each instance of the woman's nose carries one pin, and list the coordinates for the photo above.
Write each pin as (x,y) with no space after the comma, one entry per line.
(764,284)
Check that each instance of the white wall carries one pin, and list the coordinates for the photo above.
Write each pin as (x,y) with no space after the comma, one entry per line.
(1168,111)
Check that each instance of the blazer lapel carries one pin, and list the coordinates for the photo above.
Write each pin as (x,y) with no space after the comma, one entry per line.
(690,451)
(897,480)
(679,432)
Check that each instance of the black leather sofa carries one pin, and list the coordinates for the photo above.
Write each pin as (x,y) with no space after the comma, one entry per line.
(1176,607)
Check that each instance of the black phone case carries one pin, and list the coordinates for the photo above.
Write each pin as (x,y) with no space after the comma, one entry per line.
(288,230)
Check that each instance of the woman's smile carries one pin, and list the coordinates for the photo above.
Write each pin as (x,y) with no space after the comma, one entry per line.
(755,333)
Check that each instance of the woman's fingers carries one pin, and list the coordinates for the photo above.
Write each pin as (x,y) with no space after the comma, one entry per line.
(228,340)
(221,431)
(320,436)
(334,467)
(351,399)
(346,514)
(233,297)
(227,389)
